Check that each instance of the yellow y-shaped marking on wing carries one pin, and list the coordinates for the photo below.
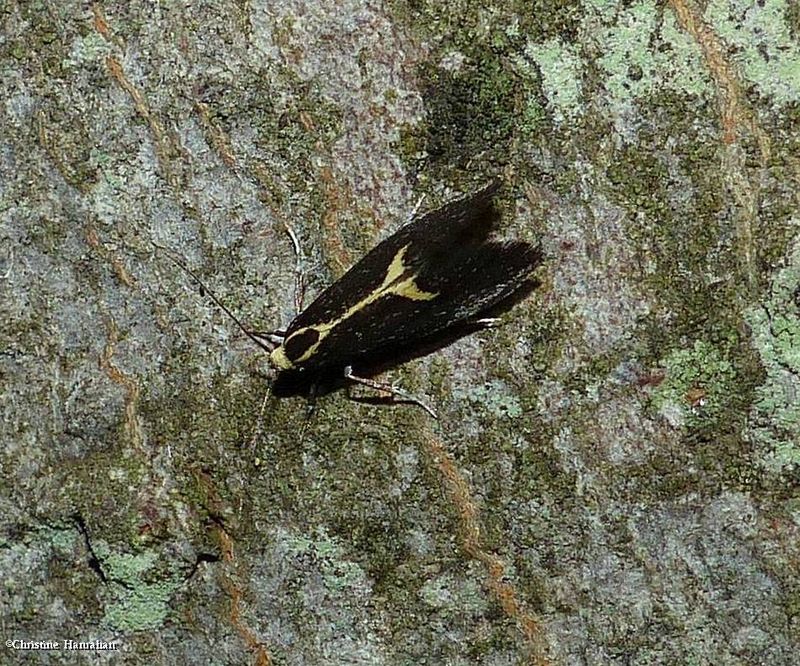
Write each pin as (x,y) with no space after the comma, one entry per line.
(392,284)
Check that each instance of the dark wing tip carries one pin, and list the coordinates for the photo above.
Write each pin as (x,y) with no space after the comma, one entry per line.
(518,257)
(491,188)
(484,197)
(478,201)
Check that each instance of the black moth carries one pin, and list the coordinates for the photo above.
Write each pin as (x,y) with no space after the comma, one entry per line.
(433,281)
(436,279)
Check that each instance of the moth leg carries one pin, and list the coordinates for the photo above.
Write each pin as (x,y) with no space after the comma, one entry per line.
(486,322)
(310,407)
(299,280)
(260,422)
(269,337)
(311,401)
(387,388)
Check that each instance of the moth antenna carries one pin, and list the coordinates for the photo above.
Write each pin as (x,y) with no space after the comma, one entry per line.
(172,257)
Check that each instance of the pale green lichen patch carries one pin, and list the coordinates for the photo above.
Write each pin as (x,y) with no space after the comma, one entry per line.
(338,573)
(87,49)
(766,52)
(494,397)
(135,603)
(775,418)
(457,595)
(63,539)
(633,68)
(697,386)
(561,83)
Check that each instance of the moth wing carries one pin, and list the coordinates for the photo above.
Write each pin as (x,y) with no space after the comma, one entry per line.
(472,281)
(430,239)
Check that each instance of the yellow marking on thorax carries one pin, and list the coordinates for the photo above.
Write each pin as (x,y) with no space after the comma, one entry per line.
(392,284)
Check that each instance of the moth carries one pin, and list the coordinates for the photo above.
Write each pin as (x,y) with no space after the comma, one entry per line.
(437,278)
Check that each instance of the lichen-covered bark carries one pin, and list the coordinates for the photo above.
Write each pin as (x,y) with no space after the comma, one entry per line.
(614,478)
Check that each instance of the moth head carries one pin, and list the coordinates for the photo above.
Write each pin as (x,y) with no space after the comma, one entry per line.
(296,348)
(279,359)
